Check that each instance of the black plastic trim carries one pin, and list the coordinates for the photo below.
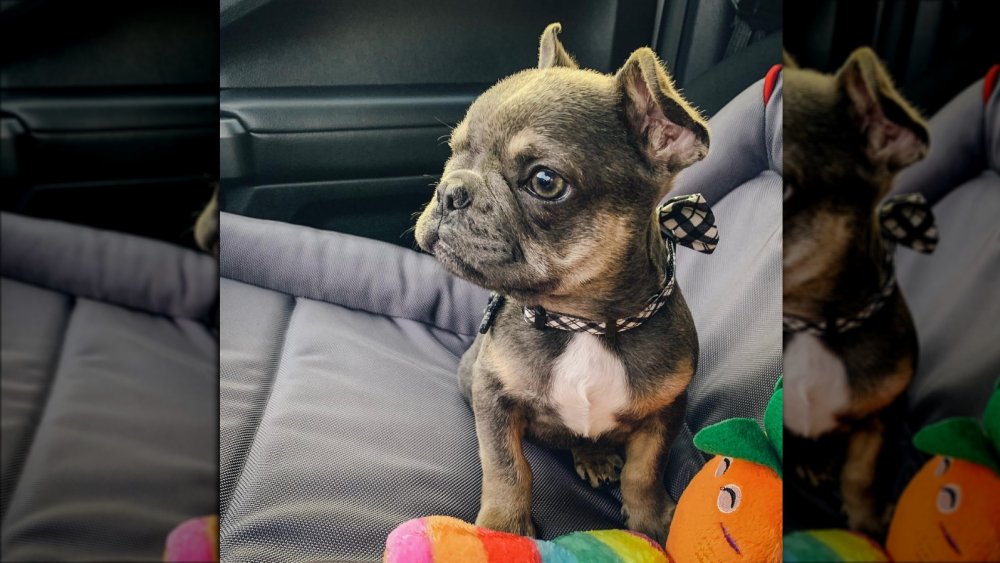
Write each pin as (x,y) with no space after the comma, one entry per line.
(283,110)
(102,111)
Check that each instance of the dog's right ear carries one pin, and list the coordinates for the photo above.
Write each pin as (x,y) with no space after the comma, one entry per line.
(896,134)
(551,52)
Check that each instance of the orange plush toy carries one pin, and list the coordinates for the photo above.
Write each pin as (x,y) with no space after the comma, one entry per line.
(950,510)
(731,510)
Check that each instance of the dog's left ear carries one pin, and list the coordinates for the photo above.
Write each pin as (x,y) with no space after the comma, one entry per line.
(669,132)
(551,52)
(896,134)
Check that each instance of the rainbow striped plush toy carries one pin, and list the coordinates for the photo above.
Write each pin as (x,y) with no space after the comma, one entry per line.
(731,511)
(831,545)
(442,539)
(193,540)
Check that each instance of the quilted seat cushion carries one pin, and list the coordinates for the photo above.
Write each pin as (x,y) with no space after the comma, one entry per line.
(109,393)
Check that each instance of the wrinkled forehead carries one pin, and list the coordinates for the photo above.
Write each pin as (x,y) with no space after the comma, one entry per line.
(571,107)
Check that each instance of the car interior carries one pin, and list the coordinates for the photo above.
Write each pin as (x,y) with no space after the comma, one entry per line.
(107,129)
(318,131)
(242,348)
(107,116)
(933,50)
(340,341)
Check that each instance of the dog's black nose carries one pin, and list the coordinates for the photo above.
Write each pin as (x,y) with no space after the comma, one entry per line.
(454,195)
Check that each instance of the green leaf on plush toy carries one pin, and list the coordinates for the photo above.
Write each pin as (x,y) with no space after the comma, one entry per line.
(960,438)
(740,438)
(991,418)
(774,419)
(743,438)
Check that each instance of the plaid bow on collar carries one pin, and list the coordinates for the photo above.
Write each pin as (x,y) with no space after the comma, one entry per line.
(904,219)
(689,221)
(686,220)
(909,221)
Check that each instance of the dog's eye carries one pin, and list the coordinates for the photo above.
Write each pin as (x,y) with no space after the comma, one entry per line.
(729,498)
(948,498)
(546,184)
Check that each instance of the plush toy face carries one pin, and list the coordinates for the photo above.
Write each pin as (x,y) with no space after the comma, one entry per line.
(948,512)
(731,511)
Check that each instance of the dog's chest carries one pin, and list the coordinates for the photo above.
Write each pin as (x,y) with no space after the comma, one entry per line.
(588,387)
(816,386)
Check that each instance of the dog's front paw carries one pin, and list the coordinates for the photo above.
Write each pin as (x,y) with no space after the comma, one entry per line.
(510,521)
(597,467)
(651,520)
(867,519)
(813,477)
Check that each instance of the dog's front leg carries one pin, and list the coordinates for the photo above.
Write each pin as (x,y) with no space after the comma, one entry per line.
(857,481)
(645,504)
(505,504)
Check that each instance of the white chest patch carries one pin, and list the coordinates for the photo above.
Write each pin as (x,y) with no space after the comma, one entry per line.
(816,387)
(588,386)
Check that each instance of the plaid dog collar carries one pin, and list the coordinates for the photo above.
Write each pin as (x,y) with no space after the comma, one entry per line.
(906,220)
(542,319)
(839,325)
(685,220)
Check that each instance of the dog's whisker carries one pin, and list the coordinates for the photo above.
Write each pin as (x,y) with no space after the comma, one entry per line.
(450,127)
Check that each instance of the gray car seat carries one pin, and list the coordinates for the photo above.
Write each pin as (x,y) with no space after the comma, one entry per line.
(109,393)
(340,411)
(952,293)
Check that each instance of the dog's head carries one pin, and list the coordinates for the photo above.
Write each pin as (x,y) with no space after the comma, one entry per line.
(555,172)
(846,136)
(851,130)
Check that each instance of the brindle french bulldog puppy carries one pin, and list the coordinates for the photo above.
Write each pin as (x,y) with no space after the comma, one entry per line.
(548,199)
(846,137)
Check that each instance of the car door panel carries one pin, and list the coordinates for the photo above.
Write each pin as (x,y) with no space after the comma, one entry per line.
(322,133)
(108,113)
